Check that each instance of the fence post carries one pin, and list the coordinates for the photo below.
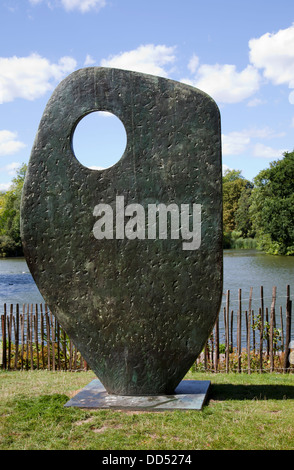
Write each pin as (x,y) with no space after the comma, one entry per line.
(248,322)
(64,349)
(253,332)
(205,356)
(239,325)
(3,322)
(36,322)
(16,333)
(282,329)
(288,330)
(48,336)
(248,331)
(22,326)
(70,354)
(32,336)
(271,332)
(232,330)
(9,329)
(53,325)
(261,314)
(216,349)
(28,337)
(42,335)
(227,330)
(58,345)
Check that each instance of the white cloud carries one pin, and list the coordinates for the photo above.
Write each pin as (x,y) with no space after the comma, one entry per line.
(263,133)
(149,59)
(236,143)
(271,55)
(193,63)
(9,144)
(84,6)
(224,83)
(263,151)
(274,53)
(11,168)
(30,77)
(4,186)
(255,102)
(89,61)
(225,168)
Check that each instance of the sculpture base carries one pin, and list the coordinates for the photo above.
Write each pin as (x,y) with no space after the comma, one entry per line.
(189,395)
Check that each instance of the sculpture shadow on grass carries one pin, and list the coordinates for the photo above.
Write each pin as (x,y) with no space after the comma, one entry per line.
(225,392)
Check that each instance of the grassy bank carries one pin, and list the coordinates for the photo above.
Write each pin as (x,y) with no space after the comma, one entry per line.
(243,412)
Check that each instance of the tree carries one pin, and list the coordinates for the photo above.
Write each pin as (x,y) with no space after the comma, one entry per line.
(233,186)
(243,220)
(10,241)
(272,206)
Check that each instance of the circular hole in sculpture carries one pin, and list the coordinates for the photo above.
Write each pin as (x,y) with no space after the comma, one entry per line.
(99,140)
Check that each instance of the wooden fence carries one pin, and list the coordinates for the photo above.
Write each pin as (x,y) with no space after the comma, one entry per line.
(33,339)
(241,341)
(253,340)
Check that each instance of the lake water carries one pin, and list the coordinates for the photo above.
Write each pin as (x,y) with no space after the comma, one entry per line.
(242,269)
(251,268)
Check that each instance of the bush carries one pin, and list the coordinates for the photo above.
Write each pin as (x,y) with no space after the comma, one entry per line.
(8,247)
(234,240)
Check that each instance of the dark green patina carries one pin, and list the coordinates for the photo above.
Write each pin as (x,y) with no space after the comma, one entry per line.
(139,311)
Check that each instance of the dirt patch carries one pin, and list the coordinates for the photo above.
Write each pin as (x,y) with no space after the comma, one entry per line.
(84,421)
(105,428)
(100,430)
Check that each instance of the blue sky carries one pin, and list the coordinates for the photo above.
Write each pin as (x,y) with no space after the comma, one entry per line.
(240,52)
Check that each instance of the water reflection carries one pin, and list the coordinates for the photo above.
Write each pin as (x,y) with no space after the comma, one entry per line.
(251,268)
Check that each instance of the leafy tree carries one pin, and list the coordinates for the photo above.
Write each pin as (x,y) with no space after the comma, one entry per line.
(272,206)
(10,241)
(233,186)
(242,215)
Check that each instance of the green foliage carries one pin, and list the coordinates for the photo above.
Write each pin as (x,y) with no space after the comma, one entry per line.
(243,221)
(277,334)
(261,215)
(272,207)
(244,244)
(10,241)
(237,225)
(233,185)
(240,243)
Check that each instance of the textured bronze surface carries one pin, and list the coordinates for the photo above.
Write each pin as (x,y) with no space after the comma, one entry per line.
(139,310)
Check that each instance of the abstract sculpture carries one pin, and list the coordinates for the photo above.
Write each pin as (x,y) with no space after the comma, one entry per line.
(129,258)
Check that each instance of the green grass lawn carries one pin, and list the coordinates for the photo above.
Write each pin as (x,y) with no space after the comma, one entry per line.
(243,412)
